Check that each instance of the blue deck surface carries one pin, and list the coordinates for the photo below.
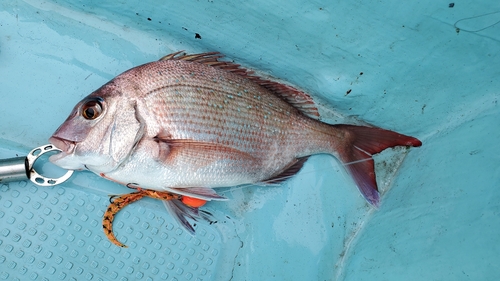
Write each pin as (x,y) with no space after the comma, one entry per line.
(423,69)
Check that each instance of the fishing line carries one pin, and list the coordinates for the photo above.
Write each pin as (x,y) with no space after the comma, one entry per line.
(469,18)
(239,187)
(362,150)
(357,161)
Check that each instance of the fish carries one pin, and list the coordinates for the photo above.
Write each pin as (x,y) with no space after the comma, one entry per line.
(189,123)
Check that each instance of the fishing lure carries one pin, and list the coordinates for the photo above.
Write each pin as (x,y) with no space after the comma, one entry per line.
(119,202)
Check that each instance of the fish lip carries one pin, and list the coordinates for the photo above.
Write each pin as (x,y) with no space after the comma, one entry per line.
(64,145)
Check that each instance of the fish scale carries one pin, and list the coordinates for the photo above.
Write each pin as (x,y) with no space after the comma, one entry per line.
(190,123)
(232,123)
(246,110)
(191,107)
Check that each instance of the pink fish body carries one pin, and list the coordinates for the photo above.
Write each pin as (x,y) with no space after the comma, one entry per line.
(190,123)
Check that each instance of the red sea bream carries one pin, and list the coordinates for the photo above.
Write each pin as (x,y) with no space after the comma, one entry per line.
(189,123)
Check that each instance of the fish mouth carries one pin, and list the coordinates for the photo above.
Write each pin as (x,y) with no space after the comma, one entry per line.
(66,146)
(66,158)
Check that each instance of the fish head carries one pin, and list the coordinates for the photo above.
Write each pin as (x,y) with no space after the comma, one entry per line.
(100,132)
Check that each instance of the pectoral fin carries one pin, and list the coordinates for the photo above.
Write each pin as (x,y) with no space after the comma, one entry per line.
(196,153)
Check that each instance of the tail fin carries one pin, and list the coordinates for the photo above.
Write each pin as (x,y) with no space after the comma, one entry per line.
(362,143)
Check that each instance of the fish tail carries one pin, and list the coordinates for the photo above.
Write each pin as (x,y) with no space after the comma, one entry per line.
(361,143)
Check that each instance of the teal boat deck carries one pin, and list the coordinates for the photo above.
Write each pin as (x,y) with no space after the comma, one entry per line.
(423,69)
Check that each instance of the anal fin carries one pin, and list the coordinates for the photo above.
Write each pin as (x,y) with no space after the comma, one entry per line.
(289,171)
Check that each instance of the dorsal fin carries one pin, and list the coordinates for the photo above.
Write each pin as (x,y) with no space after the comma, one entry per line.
(206,58)
(295,97)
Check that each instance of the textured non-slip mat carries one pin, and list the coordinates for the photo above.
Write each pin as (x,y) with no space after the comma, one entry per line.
(55,233)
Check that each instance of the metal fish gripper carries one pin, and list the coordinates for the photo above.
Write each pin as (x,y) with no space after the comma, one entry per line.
(22,168)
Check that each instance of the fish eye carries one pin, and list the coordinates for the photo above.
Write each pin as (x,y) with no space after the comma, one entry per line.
(92,109)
